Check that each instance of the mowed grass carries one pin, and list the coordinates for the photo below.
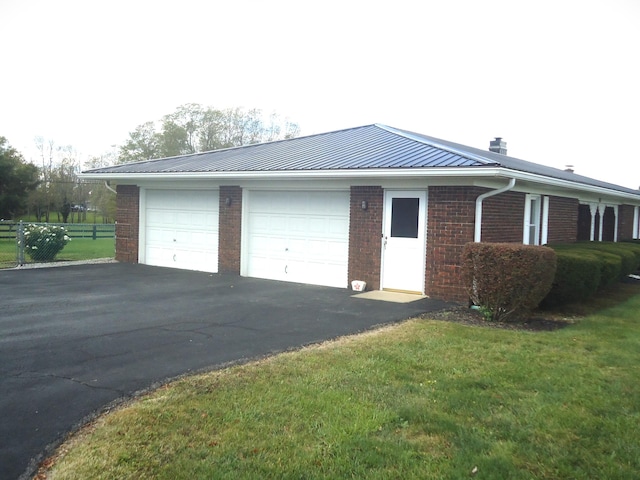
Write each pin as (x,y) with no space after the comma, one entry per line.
(8,253)
(424,399)
(87,249)
(76,249)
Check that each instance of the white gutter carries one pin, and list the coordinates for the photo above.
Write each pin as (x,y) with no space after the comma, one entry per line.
(427,172)
(286,174)
(477,234)
(106,184)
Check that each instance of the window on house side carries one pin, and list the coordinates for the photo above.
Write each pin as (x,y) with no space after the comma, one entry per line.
(531,234)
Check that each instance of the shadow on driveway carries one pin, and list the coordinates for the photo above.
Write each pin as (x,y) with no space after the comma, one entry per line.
(74,339)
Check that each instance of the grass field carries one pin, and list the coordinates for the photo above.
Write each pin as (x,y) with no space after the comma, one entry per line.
(76,249)
(425,399)
(86,249)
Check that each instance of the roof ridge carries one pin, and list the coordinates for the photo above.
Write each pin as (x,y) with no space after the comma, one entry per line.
(422,139)
(235,147)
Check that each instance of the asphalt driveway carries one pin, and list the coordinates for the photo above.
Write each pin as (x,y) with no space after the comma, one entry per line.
(76,338)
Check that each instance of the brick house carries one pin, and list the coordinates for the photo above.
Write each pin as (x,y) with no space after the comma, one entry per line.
(373,203)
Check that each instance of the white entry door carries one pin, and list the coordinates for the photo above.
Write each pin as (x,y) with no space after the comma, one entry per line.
(404,245)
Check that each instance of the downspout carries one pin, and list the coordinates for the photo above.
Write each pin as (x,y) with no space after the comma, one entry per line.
(106,184)
(477,235)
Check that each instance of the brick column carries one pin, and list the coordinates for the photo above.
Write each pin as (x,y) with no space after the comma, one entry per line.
(127,223)
(230,229)
(450,225)
(365,230)
(625,222)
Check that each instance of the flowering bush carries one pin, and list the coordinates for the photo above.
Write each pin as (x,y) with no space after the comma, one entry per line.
(43,242)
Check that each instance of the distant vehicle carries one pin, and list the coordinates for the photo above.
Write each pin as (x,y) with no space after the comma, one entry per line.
(78,208)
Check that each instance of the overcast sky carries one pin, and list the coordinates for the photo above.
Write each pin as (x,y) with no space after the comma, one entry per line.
(559,80)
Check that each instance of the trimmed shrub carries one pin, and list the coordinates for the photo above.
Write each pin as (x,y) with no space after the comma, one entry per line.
(43,242)
(577,278)
(585,267)
(507,280)
(628,252)
(634,247)
(610,268)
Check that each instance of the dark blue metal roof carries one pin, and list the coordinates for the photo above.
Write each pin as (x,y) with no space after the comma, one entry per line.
(366,147)
(519,165)
(371,147)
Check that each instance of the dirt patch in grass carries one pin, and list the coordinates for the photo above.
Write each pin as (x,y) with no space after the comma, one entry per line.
(538,321)
(546,320)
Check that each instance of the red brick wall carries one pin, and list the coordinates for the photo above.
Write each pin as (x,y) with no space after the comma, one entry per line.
(451,220)
(503,218)
(127,223)
(625,222)
(450,225)
(230,230)
(365,233)
(563,220)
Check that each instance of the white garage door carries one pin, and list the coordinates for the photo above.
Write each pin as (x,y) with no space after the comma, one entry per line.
(298,237)
(181,229)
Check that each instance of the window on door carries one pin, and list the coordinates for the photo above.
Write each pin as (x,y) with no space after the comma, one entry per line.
(531,234)
(404,217)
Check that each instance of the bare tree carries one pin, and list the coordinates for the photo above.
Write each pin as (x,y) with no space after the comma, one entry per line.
(99,198)
(42,198)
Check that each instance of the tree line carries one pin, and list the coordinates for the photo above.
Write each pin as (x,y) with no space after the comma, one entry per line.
(192,128)
(49,189)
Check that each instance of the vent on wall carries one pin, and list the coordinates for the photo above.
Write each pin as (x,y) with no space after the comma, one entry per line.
(498,146)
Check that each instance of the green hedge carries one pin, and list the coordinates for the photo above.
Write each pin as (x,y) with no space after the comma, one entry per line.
(586,267)
(507,280)
(577,277)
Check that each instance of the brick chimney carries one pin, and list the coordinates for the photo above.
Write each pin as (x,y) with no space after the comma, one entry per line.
(498,146)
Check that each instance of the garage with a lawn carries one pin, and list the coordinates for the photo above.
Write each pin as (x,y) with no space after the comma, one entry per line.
(385,206)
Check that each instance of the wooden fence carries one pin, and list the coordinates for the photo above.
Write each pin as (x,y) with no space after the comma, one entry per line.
(74,230)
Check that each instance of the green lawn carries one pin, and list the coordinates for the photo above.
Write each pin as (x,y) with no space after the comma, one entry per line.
(425,399)
(8,253)
(76,249)
(86,249)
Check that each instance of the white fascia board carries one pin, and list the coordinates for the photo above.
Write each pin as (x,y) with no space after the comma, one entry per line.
(380,173)
(286,174)
(578,188)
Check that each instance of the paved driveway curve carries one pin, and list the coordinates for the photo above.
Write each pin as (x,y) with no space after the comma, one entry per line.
(75,338)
